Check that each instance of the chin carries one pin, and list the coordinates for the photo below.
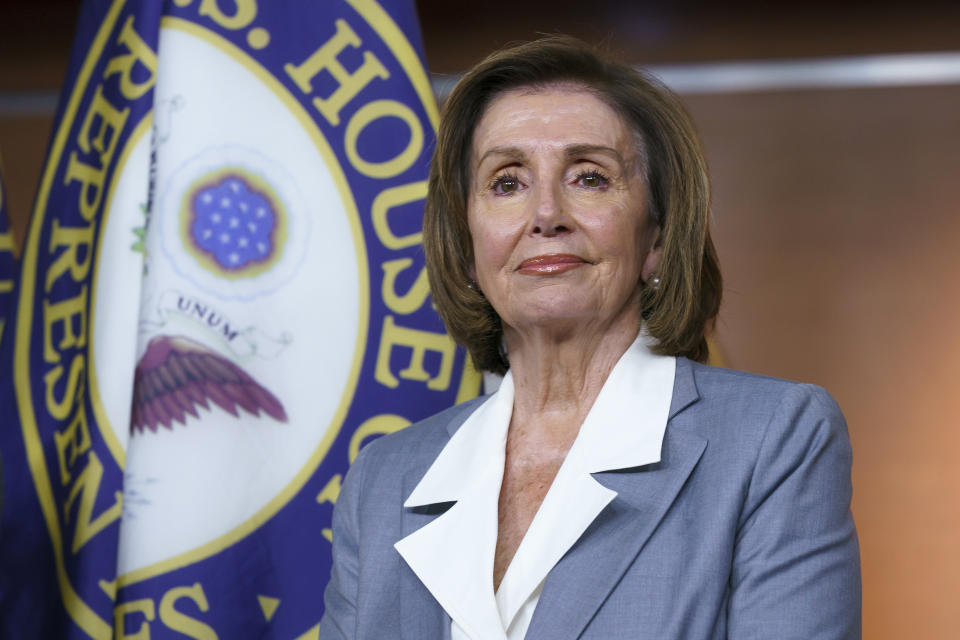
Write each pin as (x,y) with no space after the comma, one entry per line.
(555,312)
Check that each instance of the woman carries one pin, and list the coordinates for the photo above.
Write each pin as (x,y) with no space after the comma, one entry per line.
(613,487)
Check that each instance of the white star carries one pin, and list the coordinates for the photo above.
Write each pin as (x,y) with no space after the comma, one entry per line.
(216,217)
(261,212)
(252,226)
(234,223)
(244,206)
(234,186)
(224,238)
(224,202)
(261,247)
(207,197)
(242,241)
(234,258)
(206,233)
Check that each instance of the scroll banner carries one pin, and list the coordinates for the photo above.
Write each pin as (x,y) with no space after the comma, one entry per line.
(223,298)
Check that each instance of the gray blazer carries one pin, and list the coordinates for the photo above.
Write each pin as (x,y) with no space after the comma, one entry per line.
(743,530)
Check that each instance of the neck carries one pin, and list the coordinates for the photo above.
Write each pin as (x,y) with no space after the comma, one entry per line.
(558,375)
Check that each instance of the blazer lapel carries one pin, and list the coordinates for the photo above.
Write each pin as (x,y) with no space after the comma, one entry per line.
(685,391)
(440,561)
(578,585)
(421,615)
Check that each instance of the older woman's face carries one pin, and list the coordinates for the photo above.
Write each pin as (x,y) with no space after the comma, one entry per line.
(558,211)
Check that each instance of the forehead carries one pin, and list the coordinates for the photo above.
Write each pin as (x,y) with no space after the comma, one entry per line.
(550,116)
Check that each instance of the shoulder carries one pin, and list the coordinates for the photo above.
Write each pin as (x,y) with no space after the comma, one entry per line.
(421,437)
(748,410)
(741,389)
(388,467)
(749,395)
(393,455)
(771,442)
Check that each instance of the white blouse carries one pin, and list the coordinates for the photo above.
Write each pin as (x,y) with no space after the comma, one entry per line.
(453,554)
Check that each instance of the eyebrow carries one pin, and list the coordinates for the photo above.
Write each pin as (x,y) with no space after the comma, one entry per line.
(585,149)
(510,152)
(573,151)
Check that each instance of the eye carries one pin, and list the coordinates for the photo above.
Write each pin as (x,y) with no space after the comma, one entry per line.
(505,184)
(592,179)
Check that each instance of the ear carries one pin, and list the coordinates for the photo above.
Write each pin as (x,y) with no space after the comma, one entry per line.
(651,263)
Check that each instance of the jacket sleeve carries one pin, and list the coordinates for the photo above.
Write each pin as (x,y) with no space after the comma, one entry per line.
(339,619)
(796,564)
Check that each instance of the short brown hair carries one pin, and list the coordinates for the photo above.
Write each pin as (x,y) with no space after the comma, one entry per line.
(676,312)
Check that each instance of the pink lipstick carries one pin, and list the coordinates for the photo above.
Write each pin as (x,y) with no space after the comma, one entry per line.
(550,264)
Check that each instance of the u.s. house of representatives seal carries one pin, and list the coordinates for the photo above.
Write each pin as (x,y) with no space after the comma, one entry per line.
(267,316)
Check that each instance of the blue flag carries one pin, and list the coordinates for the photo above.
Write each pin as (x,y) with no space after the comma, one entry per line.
(223,298)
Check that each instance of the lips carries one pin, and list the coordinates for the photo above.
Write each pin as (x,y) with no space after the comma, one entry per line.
(550,264)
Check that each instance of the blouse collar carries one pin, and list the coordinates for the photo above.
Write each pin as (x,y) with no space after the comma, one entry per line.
(623,429)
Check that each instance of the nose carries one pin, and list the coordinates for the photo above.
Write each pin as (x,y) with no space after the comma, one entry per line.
(549,217)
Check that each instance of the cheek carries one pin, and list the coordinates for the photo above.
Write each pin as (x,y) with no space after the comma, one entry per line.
(493,241)
(491,249)
(619,234)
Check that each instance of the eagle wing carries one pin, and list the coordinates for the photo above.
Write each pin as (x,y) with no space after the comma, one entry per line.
(176,375)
